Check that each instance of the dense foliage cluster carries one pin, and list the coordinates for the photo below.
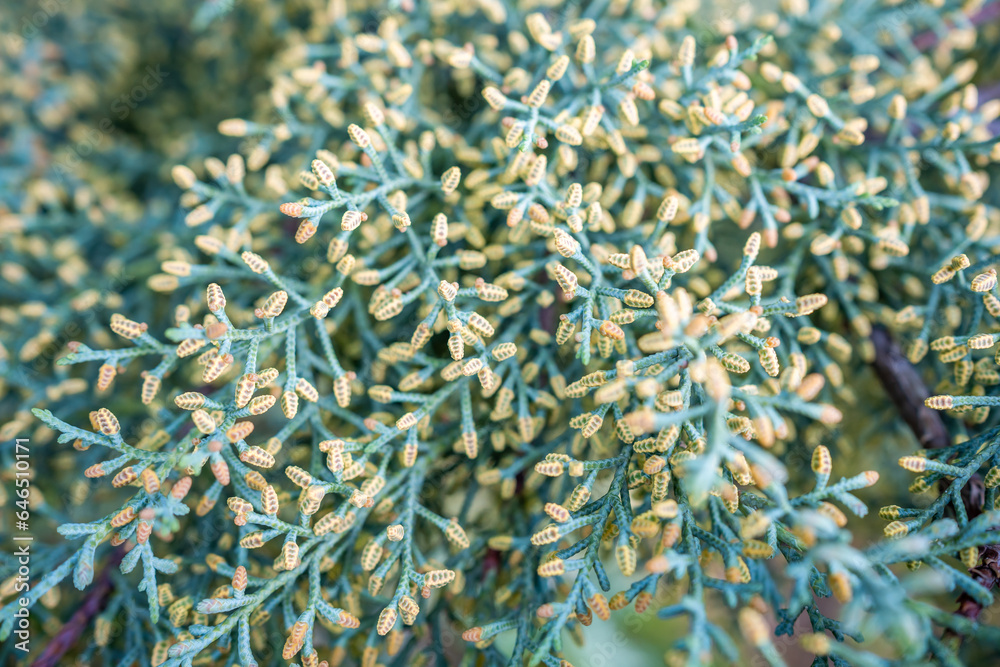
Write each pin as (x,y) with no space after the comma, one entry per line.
(501,318)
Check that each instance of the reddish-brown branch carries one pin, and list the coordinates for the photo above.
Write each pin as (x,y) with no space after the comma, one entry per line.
(907,391)
(92,605)
(987,574)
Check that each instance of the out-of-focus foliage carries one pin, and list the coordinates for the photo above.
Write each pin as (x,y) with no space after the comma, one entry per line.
(488,300)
